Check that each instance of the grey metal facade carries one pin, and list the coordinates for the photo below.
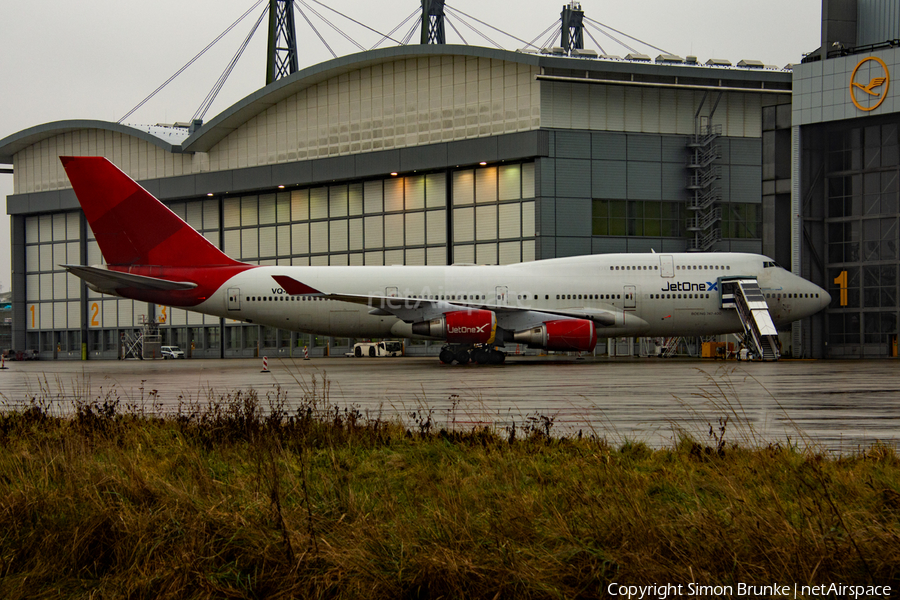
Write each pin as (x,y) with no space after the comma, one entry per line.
(877,21)
(633,168)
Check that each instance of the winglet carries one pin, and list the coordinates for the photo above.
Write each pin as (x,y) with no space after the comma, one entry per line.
(294,287)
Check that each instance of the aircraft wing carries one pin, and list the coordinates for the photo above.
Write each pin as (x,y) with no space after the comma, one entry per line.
(513,318)
(102,280)
(412,310)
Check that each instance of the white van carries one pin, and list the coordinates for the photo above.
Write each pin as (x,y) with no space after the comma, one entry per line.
(171,352)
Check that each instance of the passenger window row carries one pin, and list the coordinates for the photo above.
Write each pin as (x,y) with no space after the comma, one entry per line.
(703,267)
(633,268)
(677,296)
(679,267)
(447,297)
(521,297)
(283,298)
(780,296)
(586,297)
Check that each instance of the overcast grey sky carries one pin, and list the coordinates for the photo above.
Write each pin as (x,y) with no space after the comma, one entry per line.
(97,59)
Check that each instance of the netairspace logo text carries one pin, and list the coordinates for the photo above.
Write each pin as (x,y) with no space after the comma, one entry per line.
(664,591)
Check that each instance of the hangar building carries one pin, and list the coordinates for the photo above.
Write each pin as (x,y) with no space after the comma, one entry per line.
(845,169)
(441,154)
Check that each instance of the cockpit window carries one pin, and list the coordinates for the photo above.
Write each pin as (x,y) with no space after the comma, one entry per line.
(768,264)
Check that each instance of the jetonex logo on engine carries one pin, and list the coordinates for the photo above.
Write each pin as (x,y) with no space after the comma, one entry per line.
(463,329)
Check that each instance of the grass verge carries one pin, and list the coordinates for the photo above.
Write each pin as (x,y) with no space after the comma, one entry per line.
(241,497)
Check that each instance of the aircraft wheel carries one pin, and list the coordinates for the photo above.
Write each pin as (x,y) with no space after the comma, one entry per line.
(481,356)
(463,357)
(498,358)
(447,357)
(493,357)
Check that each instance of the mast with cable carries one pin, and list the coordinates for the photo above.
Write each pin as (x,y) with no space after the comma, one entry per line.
(433,22)
(572,33)
(282,56)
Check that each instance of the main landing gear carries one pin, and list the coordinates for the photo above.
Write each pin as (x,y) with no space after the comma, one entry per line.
(464,354)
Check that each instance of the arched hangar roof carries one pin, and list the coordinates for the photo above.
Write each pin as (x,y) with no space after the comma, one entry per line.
(236,115)
(16,142)
(206,137)
(233,117)
(217,129)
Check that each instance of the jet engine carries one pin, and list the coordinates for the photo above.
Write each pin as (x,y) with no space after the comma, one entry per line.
(461,327)
(565,334)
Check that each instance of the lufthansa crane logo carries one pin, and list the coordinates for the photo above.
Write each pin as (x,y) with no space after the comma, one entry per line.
(868,94)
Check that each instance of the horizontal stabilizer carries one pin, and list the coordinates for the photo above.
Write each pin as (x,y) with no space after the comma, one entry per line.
(105,281)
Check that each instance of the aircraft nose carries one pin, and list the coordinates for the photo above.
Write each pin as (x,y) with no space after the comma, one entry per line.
(824,298)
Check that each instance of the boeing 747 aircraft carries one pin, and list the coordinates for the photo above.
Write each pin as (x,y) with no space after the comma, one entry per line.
(562,304)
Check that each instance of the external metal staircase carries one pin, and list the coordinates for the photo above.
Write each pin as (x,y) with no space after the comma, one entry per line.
(670,346)
(744,296)
(705,199)
(704,221)
(705,192)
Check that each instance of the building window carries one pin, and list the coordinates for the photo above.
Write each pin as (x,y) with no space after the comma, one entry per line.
(862,203)
(644,218)
(741,221)
(879,286)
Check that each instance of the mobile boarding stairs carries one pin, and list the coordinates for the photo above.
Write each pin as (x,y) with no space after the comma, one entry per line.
(743,295)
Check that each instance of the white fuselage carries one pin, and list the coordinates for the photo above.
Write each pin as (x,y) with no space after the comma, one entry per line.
(649,294)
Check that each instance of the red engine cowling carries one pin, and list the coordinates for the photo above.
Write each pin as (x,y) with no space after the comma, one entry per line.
(461,327)
(565,334)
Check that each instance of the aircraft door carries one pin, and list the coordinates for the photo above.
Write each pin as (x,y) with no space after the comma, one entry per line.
(666,265)
(392,292)
(629,295)
(234,299)
(502,292)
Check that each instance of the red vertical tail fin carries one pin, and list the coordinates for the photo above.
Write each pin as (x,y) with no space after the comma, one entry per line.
(132,227)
